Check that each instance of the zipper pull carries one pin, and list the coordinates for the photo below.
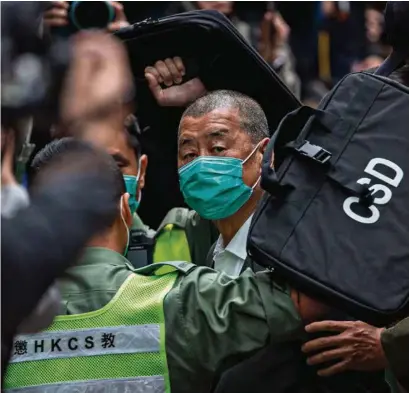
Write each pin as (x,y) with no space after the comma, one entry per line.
(143,23)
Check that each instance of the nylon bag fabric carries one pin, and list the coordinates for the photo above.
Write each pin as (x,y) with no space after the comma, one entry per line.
(334,221)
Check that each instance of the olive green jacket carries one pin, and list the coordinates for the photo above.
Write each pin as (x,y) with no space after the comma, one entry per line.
(395,342)
(212,321)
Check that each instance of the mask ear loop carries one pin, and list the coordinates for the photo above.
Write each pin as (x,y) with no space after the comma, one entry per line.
(251,154)
(126,226)
(137,181)
(139,168)
(248,157)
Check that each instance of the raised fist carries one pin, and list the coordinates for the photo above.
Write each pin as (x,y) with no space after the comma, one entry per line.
(170,73)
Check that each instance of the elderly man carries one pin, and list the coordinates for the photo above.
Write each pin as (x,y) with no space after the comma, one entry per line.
(221,140)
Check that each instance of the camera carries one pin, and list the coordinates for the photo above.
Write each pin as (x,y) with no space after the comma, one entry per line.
(32,73)
(84,15)
(91,14)
(32,67)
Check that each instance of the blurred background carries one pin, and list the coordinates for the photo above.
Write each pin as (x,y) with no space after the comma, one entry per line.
(311,44)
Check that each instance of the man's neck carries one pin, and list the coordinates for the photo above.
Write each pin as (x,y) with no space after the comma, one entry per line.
(228,227)
(105,242)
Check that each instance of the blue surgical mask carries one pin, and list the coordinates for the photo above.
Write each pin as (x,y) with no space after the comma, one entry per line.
(214,186)
(131,184)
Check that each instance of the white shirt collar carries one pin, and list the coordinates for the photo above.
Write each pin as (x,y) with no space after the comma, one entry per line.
(236,250)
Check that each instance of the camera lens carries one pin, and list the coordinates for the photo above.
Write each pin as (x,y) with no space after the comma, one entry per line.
(91,14)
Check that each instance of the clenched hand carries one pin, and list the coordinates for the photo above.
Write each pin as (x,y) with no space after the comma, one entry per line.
(170,72)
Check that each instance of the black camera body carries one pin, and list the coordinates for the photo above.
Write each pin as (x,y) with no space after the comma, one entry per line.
(33,68)
(86,15)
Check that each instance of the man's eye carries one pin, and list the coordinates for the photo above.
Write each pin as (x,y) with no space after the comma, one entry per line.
(189,156)
(218,149)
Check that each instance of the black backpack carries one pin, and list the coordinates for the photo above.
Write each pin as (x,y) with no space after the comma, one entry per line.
(334,221)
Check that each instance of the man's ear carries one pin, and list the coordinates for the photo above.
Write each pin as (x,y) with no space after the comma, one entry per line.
(126,211)
(263,146)
(143,162)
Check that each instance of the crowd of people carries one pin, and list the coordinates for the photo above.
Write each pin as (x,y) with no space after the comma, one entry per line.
(200,315)
(312,45)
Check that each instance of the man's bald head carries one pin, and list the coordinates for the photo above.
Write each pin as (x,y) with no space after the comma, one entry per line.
(252,118)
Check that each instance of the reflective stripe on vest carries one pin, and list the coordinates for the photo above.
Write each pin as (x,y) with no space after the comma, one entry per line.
(171,245)
(107,350)
(154,384)
(86,342)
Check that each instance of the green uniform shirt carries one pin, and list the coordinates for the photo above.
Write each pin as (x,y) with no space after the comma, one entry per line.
(212,321)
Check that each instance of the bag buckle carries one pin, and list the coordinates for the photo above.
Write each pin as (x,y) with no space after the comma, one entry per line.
(317,153)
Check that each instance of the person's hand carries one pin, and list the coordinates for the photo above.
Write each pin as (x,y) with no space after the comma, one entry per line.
(57,16)
(274,35)
(7,164)
(170,73)
(281,28)
(120,18)
(356,347)
(98,80)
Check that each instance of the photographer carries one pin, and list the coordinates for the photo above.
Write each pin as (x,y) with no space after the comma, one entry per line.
(34,243)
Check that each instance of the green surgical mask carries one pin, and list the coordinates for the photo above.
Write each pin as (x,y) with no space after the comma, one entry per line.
(131,184)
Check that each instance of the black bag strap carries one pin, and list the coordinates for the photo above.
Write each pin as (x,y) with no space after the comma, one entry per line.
(269,179)
(394,61)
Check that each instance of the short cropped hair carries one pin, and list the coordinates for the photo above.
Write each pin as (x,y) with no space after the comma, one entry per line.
(253,120)
(72,155)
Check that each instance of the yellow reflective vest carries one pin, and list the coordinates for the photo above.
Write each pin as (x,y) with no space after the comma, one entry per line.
(118,348)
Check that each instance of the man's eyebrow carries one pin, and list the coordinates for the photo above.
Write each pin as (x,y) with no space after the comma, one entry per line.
(217,133)
(120,159)
(185,141)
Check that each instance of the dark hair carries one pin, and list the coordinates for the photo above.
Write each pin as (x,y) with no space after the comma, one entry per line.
(133,134)
(252,118)
(72,155)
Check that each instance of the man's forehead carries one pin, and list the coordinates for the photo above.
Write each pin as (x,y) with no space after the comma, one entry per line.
(227,116)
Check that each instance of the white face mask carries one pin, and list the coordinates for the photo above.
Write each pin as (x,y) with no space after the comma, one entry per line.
(14,197)
(126,227)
